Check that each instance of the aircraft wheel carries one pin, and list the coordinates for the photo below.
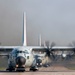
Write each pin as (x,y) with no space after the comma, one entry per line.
(33,69)
(20,69)
(10,69)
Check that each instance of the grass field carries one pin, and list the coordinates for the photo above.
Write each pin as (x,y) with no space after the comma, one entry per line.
(3,63)
(70,66)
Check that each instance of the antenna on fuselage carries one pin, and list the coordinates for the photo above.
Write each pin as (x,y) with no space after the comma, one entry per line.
(24,30)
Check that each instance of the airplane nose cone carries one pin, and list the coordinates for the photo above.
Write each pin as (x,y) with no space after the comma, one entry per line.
(20,60)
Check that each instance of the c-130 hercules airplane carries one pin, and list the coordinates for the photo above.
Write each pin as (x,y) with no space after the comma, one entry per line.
(21,57)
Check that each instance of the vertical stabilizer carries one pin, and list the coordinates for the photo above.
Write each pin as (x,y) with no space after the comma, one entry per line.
(24,30)
(40,40)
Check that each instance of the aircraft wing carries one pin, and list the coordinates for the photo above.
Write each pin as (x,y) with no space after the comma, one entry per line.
(39,50)
(5,50)
(62,48)
(55,48)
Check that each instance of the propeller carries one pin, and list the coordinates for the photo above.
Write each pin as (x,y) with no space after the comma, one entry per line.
(49,51)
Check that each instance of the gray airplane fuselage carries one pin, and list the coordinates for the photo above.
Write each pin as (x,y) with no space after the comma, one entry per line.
(21,52)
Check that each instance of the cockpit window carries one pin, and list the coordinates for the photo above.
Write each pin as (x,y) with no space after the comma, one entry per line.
(16,51)
(26,52)
(23,52)
(20,51)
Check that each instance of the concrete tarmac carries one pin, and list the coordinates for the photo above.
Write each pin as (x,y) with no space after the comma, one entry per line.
(55,70)
(37,73)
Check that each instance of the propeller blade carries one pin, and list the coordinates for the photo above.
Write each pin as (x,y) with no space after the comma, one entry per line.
(52,54)
(49,52)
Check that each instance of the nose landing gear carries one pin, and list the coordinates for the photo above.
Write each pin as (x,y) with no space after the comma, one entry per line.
(20,69)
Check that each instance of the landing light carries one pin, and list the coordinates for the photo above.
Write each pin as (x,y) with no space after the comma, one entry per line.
(23,65)
(16,65)
(64,55)
(37,63)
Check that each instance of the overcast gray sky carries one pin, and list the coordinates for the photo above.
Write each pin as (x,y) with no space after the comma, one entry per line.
(53,19)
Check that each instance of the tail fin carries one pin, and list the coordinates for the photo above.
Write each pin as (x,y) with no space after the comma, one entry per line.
(40,43)
(24,30)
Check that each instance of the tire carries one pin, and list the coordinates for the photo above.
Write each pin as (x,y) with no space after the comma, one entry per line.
(20,69)
(10,69)
(33,69)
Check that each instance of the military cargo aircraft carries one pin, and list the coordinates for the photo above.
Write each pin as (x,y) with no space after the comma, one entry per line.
(21,57)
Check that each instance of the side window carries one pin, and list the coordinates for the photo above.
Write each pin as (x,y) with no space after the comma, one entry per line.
(26,52)
(27,57)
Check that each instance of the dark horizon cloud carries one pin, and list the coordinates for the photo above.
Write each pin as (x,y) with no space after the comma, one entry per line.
(53,19)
